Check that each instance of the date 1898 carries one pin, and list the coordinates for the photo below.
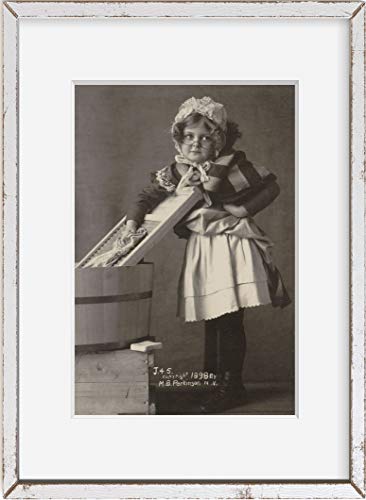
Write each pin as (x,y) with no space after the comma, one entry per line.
(167,377)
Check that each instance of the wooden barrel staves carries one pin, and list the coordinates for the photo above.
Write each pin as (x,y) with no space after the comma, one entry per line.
(112,306)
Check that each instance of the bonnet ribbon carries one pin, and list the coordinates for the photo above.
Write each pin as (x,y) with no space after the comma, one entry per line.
(202,169)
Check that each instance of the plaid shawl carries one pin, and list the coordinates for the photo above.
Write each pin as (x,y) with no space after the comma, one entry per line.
(232,178)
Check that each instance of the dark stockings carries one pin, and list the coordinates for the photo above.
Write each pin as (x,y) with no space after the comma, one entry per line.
(225,345)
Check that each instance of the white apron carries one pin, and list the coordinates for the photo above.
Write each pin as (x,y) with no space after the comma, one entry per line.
(223,267)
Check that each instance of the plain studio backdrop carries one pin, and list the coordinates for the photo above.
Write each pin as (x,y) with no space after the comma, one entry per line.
(122,134)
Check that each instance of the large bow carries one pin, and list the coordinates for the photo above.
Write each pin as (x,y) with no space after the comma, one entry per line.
(201,168)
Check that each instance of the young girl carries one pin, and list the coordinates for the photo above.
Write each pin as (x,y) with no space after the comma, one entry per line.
(227,265)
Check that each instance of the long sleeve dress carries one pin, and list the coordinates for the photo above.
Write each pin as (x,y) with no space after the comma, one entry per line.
(227,263)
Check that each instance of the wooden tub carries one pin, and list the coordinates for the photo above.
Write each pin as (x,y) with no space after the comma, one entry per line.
(112,306)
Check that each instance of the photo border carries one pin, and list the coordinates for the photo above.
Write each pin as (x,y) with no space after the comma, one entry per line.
(13,486)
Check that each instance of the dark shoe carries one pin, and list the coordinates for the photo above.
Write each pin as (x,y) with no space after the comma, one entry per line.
(228,395)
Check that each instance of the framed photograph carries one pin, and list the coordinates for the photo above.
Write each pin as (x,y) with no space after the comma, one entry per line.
(183,213)
(190,365)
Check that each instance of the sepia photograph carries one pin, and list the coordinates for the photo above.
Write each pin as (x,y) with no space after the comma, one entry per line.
(185,245)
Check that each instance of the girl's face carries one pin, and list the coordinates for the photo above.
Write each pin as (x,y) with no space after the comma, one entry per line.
(197,144)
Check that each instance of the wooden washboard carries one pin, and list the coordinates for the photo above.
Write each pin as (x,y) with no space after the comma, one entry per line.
(158,223)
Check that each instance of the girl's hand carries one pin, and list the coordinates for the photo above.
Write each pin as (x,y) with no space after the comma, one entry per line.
(237,210)
(188,180)
(131,225)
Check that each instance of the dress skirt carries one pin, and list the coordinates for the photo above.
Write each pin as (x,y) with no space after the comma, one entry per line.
(221,273)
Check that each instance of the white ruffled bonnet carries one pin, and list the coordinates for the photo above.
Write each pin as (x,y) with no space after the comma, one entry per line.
(207,107)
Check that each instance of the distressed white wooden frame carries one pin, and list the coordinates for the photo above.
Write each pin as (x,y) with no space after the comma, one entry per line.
(14,487)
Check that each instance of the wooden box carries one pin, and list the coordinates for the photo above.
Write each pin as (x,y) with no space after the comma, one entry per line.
(112,306)
(113,383)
